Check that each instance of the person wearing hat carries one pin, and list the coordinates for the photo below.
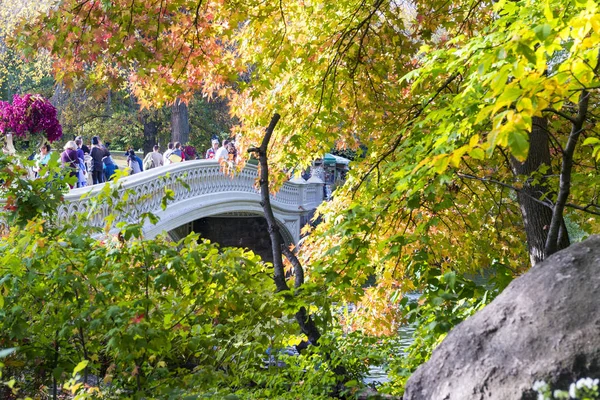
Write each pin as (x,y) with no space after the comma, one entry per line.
(210,153)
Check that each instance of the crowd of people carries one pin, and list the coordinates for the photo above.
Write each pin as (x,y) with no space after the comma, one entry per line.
(227,151)
(90,165)
(93,165)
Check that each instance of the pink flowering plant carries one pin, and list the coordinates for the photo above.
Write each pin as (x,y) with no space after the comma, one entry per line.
(30,114)
(23,197)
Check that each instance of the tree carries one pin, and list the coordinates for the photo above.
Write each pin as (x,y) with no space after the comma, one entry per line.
(16,75)
(472,117)
(151,124)
(180,124)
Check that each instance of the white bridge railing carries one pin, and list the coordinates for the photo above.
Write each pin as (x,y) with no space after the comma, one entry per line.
(204,178)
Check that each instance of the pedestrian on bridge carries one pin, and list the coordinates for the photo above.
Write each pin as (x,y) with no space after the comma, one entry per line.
(109,168)
(153,159)
(42,158)
(69,159)
(134,163)
(223,152)
(98,152)
(166,160)
(84,148)
(210,153)
(178,152)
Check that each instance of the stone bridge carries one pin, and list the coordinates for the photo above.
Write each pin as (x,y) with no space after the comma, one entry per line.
(211,193)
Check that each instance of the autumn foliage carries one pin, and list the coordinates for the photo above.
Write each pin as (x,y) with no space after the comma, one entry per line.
(474,127)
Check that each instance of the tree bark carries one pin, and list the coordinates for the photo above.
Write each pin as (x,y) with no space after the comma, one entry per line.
(537,216)
(150,121)
(108,105)
(180,125)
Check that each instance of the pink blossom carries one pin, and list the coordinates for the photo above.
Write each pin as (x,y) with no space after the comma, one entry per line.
(30,114)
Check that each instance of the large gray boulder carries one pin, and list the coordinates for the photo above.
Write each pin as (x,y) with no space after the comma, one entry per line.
(544,325)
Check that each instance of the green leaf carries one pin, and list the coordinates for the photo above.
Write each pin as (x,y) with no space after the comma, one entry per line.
(169,195)
(542,31)
(414,201)
(591,140)
(351,383)
(518,144)
(527,52)
(79,367)
(477,153)
(450,279)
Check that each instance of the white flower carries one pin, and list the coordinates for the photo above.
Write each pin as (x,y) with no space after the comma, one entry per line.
(573,390)
(587,383)
(537,385)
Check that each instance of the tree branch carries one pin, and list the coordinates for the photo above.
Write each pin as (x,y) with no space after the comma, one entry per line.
(585,208)
(566,168)
(400,137)
(560,114)
(304,320)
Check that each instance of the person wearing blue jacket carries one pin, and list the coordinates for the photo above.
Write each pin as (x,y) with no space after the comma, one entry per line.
(109,167)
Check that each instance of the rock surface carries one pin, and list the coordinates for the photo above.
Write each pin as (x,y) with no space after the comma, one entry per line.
(544,325)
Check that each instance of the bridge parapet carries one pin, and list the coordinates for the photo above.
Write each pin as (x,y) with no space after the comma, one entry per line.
(208,186)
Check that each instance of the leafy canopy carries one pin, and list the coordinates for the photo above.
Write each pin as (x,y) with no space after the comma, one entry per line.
(439,96)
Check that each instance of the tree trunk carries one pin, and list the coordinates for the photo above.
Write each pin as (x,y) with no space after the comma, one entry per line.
(108,105)
(150,120)
(180,125)
(537,216)
(306,323)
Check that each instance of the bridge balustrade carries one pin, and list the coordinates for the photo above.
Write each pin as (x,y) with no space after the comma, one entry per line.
(205,178)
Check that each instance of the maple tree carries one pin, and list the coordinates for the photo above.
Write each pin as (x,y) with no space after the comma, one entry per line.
(18,75)
(476,123)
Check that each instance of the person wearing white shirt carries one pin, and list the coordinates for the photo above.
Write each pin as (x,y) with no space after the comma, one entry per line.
(167,153)
(222,152)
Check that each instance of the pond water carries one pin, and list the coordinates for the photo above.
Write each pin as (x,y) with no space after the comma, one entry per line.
(377,374)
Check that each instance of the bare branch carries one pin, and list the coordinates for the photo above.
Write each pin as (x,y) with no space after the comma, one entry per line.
(561,114)
(566,168)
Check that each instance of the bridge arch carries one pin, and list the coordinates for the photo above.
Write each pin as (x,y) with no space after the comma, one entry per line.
(221,205)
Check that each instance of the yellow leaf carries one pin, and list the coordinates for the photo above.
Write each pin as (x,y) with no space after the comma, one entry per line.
(548,12)
(595,21)
(76,387)
(474,140)
(483,114)
(506,99)
(441,163)
(524,103)
(80,366)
